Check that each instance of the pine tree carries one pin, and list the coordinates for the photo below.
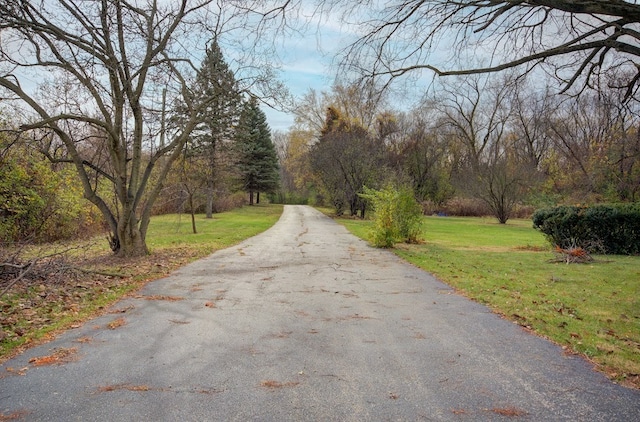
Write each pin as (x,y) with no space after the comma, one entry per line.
(211,137)
(257,159)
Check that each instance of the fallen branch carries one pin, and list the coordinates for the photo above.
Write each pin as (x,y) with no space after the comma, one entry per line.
(573,255)
(24,270)
(53,267)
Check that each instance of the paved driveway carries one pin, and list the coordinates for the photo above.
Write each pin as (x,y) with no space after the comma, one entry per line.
(305,323)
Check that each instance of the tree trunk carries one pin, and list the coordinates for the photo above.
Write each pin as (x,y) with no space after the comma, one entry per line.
(209,205)
(130,242)
(193,223)
(257,197)
(193,214)
(250,197)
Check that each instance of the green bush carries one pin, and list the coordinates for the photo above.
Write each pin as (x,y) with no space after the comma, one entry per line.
(612,229)
(20,203)
(397,216)
(39,203)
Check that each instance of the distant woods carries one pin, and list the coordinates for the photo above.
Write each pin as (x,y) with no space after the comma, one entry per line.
(478,145)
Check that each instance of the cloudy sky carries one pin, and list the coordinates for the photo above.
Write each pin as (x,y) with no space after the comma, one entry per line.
(308,63)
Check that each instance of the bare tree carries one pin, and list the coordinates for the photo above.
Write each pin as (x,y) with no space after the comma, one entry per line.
(420,155)
(345,159)
(532,111)
(310,111)
(501,183)
(109,65)
(478,111)
(359,104)
(475,110)
(596,140)
(576,39)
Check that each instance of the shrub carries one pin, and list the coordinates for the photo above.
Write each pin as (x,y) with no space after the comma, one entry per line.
(613,229)
(397,216)
(465,207)
(229,202)
(41,204)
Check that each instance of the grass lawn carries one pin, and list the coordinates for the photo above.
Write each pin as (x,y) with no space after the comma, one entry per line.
(173,231)
(591,309)
(35,309)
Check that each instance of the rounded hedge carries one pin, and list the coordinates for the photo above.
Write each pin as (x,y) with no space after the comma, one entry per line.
(611,229)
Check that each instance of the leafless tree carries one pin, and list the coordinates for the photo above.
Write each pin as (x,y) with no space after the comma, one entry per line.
(597,145)
(420,155)
(345,159)
(532,110)
(107,64)
(478,110)
(575,40)
(475,110)
(359,104)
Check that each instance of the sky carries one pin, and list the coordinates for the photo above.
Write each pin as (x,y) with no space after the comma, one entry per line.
(306,69)
(307,63)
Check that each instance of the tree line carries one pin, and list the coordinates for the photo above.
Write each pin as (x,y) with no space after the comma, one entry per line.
(505,143)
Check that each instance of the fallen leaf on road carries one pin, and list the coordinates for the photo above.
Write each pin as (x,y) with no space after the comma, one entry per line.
(161,297)
(21,371)
(128,387)
(278,384)
(116,323)
(509,411)
(59,356)
(13,416)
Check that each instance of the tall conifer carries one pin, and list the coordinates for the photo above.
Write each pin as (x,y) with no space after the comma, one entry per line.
(214,132)
(257,158)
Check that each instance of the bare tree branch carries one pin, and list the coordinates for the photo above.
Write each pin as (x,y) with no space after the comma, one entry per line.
(580,39)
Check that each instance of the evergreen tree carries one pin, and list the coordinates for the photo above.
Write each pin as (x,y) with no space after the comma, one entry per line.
(257,159)
(211,137)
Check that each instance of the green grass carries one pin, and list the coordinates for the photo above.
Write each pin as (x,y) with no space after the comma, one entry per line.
(32,312)
(221,231)
(592,309)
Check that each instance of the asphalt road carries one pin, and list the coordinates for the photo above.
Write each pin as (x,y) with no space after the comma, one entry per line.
(304,322)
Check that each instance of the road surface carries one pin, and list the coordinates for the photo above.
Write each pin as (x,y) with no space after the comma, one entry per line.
(304,322)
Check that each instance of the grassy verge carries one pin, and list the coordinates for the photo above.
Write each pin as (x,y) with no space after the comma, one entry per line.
(35,309)
(591,309)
